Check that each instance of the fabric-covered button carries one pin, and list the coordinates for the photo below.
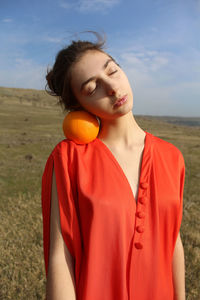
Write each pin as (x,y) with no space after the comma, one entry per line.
(140,214)
(144,185)
(143,200)
(138,246)
(140,229)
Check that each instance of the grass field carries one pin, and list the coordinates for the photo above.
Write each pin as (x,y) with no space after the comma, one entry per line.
(30,126)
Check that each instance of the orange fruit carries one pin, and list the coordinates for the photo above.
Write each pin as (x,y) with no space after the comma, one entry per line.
(80,126)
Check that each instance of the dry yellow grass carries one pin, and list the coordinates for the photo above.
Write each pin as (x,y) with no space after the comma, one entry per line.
(30,126)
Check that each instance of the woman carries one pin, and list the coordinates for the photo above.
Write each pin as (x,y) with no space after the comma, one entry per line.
(112,208)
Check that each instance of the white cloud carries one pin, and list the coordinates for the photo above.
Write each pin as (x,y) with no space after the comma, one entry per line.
(94,5)
(66,5)
(154,29)
(158,62)
(7,20)
(86,6)
(25,73)
(53,40)
(145,61)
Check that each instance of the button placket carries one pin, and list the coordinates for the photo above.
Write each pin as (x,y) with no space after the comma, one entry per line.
(143,200)
(140,216)
(138,245)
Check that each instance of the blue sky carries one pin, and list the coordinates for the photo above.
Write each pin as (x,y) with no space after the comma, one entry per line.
(156,42)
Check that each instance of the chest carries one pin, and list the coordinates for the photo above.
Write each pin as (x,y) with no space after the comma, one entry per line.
(130,163)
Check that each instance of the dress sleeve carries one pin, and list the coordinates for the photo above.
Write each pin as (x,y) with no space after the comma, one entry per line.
(60,161)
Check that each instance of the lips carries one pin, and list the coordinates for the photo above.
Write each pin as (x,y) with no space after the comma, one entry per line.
(121,100)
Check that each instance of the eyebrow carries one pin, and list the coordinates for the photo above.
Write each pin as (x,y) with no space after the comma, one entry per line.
(93,77)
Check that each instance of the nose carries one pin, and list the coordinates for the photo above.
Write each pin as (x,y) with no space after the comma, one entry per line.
(112,88)
(112,92)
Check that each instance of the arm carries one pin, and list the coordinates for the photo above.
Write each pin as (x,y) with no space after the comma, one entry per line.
(178,267)
(60,278)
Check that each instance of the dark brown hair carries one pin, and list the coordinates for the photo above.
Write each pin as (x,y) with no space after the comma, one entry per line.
(58,78)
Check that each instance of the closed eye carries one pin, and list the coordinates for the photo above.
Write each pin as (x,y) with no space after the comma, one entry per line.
(92,92)
(113,72)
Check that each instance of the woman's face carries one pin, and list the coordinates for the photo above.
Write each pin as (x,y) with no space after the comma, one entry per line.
(98,83)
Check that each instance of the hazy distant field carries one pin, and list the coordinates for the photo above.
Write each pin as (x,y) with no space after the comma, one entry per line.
(30,126)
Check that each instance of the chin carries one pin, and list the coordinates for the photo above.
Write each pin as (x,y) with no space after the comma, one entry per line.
(127,107)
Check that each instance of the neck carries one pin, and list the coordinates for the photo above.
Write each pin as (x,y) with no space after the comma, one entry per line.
(121,132)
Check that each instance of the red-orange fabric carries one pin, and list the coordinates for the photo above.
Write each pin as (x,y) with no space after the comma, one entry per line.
(123,249)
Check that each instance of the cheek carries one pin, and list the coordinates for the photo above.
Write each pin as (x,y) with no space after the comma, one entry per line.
(78,97)
(127,83)
(94,105)
(126,79)
(85,102)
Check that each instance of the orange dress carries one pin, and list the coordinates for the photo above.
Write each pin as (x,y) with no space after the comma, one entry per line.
(123,249)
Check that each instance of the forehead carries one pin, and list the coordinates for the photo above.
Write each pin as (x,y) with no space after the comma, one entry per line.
(89,65)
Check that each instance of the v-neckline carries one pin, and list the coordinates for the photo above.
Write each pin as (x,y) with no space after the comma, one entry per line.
(144,152)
